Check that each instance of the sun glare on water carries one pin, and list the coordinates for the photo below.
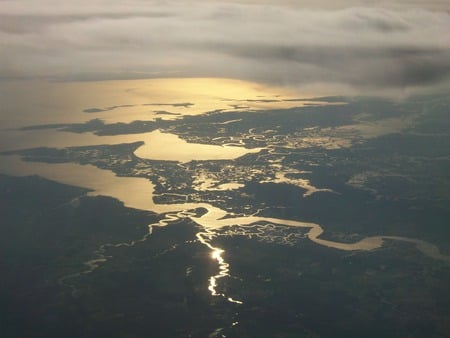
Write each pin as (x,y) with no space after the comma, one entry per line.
(130,100)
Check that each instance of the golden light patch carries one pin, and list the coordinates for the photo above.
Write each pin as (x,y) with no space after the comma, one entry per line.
(129,100)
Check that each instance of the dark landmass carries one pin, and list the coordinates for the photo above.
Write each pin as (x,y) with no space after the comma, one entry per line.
(99,110)
(396,183)
(160,285)
(52,229)
(310,291)
(303,117)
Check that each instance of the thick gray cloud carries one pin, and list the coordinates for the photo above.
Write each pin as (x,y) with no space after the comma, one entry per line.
(295,42)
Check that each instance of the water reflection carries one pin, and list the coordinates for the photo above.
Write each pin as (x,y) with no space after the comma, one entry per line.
(157,144)
(126,101)
(104,182)
(282,177)
(224,267)
(169,147)
(39,102)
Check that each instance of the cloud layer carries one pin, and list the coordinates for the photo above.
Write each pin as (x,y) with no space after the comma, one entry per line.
(283,42)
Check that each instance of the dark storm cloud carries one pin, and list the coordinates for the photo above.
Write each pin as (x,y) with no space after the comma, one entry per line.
(401,45)
(369,66)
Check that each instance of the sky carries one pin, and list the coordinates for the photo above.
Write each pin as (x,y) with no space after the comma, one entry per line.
(361,44)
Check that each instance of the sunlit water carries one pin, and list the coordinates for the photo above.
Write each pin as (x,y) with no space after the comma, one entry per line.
(39,102)
(138,193)
(132,100)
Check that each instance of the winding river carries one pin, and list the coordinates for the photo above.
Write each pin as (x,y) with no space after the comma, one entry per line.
(138,193)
